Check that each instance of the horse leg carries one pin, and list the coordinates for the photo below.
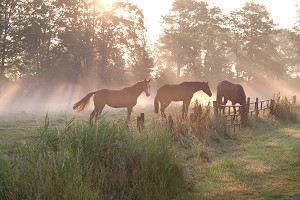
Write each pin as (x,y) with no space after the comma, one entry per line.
(92,115)
(183,109)
(224,103)
(129,110)
(234,111)
(187,107)
(164,105)
(99,111)
(162,111)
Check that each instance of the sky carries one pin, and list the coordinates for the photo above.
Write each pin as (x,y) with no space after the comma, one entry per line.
(283,12)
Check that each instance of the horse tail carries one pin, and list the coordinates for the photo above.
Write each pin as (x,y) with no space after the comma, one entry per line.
(81,105)
(156,104)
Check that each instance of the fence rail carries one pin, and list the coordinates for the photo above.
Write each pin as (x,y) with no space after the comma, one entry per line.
(241,114)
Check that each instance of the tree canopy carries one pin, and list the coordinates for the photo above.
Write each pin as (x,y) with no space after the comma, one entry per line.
(67,40)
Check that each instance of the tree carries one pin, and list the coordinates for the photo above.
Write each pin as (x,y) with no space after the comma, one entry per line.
(253,32)
(195,38)
(296,29)
(287,52)
(6,12)
(178,41)
(102,42)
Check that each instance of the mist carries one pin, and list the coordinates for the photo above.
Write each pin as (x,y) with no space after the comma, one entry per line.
(59,98)
(50,65)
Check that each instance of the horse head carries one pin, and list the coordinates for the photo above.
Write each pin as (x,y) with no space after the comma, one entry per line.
(206,89)
(146,87)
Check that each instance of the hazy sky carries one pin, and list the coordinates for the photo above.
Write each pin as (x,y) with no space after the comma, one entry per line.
(283,12)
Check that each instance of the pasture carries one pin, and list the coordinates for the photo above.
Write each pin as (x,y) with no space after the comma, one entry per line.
(261,161)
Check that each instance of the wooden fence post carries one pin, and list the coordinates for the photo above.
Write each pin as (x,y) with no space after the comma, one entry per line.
(140,122)
(294,99)
(272,107)
(215,104)
(256,108)
(246,111)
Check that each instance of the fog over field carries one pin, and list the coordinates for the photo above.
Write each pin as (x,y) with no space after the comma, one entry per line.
(52,59)
(15,99)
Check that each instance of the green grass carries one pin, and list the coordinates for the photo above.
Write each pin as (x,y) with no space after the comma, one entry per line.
(99,161)
(259,162)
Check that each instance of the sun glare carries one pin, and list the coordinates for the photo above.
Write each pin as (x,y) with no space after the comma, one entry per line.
(106,3)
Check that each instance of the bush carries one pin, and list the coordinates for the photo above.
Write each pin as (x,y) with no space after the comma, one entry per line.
(99,161)
(287,110)
(200,118)
(203,125)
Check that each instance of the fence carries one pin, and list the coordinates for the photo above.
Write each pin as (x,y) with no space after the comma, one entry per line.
(235,119)
(240,115)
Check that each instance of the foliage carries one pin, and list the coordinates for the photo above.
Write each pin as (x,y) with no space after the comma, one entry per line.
(194,39)
(288,54)
(199,120)
(71,39)
(202,126)
(296,29)
(287,110)
(254,49)
(99,161)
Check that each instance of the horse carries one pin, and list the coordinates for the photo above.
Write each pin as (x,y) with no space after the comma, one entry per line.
(232,92)
(126,97)
(181,92)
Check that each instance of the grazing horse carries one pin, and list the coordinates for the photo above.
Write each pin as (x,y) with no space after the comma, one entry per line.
(232,92)
(126,97)
(181,92)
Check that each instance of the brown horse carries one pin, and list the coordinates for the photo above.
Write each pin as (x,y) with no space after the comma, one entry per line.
(126,97)
(181,92)
(232,92)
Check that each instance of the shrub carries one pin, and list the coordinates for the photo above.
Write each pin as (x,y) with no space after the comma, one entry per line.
(219,129)
(99,161)
(287,110)
(202,125)
(200,120)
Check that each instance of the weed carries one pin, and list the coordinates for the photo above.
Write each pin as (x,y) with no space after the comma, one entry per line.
(287,110)
(208,128)
(92,161)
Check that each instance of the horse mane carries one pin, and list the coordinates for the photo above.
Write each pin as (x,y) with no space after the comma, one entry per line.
(132,86)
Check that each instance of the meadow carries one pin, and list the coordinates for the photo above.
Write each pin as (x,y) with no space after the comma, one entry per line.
(61,156)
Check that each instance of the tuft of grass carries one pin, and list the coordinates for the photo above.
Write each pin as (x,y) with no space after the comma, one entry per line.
(92,161)
(208,128)
(287,110)
(199,120)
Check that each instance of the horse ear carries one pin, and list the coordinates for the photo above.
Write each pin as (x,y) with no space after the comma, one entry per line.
(207,82)
(149,80)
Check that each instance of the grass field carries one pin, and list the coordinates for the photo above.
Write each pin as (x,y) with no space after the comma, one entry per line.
(261,161)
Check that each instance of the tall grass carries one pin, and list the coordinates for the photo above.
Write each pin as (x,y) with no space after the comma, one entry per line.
(98,161)
(287,110)
(202,126)
(205,126)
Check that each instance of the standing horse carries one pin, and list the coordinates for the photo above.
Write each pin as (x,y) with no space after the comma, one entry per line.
(181,92)
(232,92)
(126,97)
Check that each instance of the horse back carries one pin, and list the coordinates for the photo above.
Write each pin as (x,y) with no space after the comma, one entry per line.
(233,92)
(115,98)
(174,92)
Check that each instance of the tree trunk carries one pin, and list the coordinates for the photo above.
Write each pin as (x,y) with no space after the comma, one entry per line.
(4,42)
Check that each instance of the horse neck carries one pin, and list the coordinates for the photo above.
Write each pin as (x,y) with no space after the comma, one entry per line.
(197,86)
(136,89)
